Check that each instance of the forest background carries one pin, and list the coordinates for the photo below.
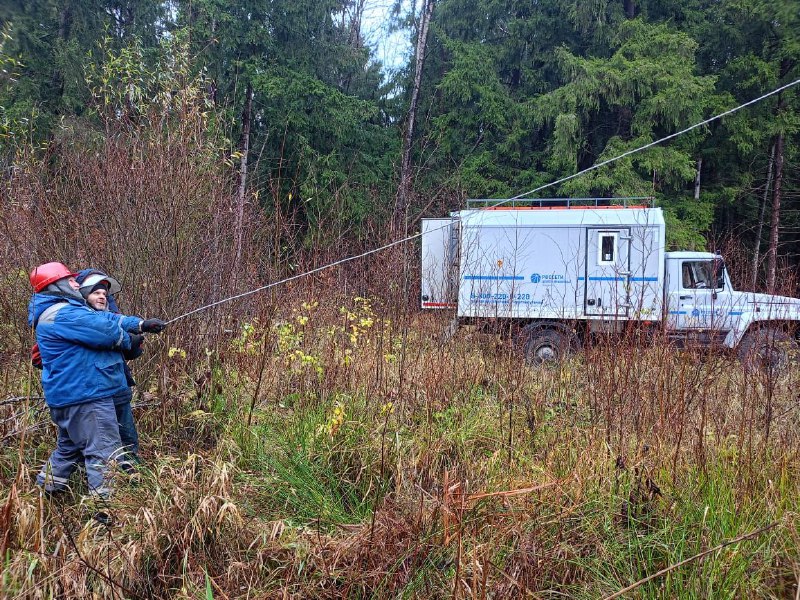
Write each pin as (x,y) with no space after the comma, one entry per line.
(493,98)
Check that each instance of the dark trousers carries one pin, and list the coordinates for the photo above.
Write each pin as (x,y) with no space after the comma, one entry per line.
(127,426)
(87,433)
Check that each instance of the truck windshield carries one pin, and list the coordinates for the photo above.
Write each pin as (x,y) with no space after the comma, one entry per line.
(703,274)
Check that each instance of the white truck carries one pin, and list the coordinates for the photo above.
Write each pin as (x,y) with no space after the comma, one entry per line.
(559,271)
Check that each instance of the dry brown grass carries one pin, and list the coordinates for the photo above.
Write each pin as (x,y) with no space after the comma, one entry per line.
(482,477)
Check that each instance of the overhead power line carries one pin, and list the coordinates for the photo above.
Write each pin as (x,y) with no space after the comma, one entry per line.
(500,203)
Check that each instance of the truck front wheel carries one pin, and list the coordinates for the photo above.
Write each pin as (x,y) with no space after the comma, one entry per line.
(768,349)
(546,346)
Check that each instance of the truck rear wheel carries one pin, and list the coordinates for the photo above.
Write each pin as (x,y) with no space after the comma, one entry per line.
(546,345)
(767,349)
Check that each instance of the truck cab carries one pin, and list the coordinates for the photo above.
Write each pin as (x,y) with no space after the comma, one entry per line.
(701,305)
(698,294)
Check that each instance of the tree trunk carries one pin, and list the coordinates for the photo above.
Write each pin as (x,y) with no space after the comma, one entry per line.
(240,195)
(401,212)
(772,256)
(64,30)
(761,215)
(64,23)
(697,179)
(354,41)
(355,24)
(630,8)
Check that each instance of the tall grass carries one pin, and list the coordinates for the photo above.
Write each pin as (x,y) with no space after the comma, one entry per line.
(471,475)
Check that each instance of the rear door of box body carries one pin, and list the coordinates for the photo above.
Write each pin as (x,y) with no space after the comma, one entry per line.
(439,255)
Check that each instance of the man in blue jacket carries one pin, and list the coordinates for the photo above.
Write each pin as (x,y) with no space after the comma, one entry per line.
(89,280)
(83,370)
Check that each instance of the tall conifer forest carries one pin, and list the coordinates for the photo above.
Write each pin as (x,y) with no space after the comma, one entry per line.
(509,96)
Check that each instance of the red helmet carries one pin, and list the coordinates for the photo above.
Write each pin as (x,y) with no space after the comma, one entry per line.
(48,273)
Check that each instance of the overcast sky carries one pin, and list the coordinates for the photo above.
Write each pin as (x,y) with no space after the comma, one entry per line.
(391,50)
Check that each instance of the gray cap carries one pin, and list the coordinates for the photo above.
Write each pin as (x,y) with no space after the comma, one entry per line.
(95,278)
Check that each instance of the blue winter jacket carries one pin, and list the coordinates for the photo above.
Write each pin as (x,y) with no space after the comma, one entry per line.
(80,348)
(131,354)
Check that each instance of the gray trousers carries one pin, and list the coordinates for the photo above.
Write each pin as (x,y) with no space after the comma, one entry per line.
(87,433)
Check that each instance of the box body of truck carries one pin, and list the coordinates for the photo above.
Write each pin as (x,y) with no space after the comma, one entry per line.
(565,263)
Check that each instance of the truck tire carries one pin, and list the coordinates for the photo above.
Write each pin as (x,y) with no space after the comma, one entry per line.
(546,345)
(767,349)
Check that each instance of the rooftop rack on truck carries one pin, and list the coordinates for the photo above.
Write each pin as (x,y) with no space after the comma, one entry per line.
(558,203)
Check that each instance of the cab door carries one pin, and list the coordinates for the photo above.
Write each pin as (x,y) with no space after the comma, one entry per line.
(700,298)
(607,272)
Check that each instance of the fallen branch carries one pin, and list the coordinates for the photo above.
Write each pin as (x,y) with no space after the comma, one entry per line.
(17,399)
(517,492)
(21,430)
(741,538)
(107,578)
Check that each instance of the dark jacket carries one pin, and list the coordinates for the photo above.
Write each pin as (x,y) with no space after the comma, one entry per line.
(80,348)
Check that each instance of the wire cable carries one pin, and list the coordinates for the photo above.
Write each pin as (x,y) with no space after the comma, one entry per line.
(293,277)
(517,197)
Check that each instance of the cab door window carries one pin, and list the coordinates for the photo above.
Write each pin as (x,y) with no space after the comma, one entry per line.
(703,275)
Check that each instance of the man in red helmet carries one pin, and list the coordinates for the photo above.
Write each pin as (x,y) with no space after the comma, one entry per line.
(82,372)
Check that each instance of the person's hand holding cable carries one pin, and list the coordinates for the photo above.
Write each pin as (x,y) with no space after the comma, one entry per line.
(152,326)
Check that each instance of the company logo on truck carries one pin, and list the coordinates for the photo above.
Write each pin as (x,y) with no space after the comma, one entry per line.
(548,278)
(714,312)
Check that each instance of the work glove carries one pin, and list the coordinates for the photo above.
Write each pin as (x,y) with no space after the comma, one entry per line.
(152,326)
(135,351)
(136,341)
